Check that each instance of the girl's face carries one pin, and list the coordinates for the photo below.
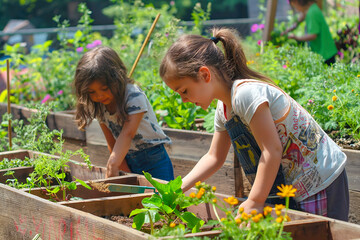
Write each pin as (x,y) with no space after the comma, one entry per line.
(297,6)
(100,93)
(197,92)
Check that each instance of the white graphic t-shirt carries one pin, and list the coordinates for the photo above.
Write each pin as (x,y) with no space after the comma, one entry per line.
(149,132)
(311,160)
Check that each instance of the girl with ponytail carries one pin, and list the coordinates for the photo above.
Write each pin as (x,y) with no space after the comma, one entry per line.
(275,139)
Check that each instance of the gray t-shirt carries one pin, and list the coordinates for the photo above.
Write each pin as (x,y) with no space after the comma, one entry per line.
(149,132)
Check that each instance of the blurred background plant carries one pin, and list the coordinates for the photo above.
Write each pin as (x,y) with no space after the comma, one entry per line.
(45,74)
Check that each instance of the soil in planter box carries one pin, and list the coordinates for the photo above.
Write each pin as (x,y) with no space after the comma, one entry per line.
(100,186)
(127,221)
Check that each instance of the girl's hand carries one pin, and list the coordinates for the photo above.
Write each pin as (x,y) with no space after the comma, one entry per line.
(112,168)
(250,205)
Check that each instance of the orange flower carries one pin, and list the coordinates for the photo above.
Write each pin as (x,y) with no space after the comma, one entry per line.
(198,183)
(231,200)
(214,189)
(286,191)
(238,221)
(192,195)
(267,210)
(330,107)
(214,200)
(334,98)
(279,219)
(172,224)
(253,212)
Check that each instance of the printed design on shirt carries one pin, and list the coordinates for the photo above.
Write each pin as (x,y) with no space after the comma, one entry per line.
(299,153)
(133,109)
(133,95)
(310,135)
(115,128)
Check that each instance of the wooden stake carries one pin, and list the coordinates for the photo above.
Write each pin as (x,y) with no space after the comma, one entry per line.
(144,44)
(8,100)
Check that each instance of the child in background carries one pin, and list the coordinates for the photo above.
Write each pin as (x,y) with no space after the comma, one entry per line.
(275,139)
(134,137)
(317,31)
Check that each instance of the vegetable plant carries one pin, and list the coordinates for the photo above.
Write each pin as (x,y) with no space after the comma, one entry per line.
(169,206)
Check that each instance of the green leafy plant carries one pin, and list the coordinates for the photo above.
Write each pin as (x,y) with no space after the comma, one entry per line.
(167,206)
(170,204)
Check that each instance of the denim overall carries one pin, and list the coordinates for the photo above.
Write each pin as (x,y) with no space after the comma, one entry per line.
(248,153)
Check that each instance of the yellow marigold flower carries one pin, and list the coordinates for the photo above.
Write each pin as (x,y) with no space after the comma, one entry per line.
(245,216)
(231,200)
(202,190)
(172,224)
(279,219)
(222,219)
(198,183)
(334,98)
(255,219)
(199,195)
(352,90)
(214,188)
(334,90)
(260,215)
(214,200)
(257,54)
(238,221)
(267,210)
(241,209)
(330,107)
(358,75)
(286,191)
(279,207)
(288,219)
(253,212)
(192,195)
(278,212)
(228,212)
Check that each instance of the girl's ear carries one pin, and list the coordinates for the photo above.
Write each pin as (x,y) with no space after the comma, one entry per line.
(204,74)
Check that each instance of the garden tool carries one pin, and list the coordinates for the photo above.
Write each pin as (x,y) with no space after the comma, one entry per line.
(128,188)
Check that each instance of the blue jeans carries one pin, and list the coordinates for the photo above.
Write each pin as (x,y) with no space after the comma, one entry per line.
(153,160)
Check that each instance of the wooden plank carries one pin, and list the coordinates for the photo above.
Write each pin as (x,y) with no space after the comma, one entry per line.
(309,229)
(20,173)
(110,206)
(353,168)
(238,178)
(269,19)
(21,154)
(23,215)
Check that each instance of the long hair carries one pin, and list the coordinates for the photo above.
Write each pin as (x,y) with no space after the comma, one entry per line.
(302,2)
(102,64)
(190,52)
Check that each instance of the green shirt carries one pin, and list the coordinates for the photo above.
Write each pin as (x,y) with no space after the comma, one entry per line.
(316,24)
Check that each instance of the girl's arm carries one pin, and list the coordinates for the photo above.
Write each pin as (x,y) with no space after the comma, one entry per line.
(122,144)
(108,136)
(210,162)
(111,142)
(265,133)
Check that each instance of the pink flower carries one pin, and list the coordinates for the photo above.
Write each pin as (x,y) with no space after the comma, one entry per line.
(341,54)
(80,49)
(172,3)
(310,102)
(166,34)
(284,66)
(261,26)
(46,98)
(259,42)
(60,92)
(90,46)
(97,42)
(254,27)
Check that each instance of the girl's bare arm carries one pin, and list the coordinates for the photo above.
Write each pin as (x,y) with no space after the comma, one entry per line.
(210,162)
(265,133)
(122,144)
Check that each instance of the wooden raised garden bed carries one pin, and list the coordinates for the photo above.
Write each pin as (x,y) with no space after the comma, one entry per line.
(24,214)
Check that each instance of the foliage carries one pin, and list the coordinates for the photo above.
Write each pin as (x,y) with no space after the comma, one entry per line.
(170,205)
(36,136)
(12,163)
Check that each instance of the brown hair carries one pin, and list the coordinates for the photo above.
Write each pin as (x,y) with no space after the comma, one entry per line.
(190,52)
(102,64)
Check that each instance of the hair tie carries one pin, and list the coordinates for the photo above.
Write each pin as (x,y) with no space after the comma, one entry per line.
(215,39)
